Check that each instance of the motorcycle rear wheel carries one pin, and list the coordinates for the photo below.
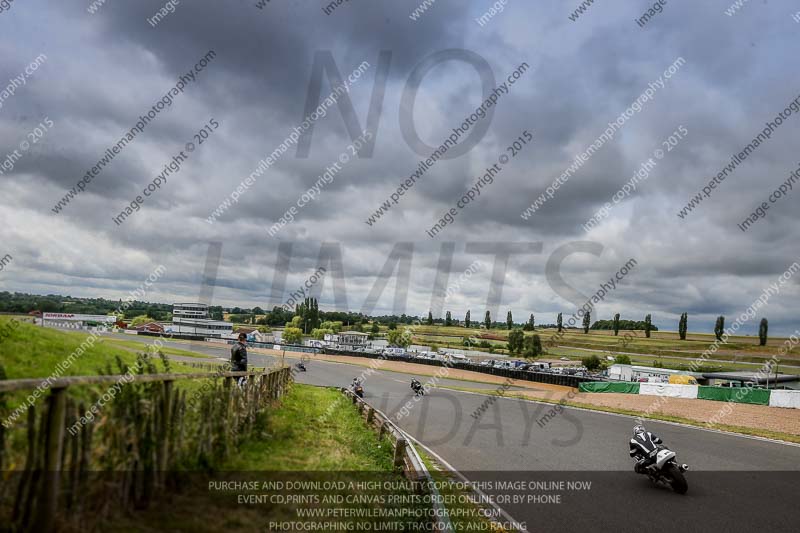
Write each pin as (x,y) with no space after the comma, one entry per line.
(676,479)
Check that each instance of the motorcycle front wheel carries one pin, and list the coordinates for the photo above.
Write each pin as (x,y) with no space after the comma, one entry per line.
(676,479)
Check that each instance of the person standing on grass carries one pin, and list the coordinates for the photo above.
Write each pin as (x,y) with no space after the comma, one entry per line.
(239,357)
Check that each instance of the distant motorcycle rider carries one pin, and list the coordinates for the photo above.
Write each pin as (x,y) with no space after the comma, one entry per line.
(416,386)
(641,445)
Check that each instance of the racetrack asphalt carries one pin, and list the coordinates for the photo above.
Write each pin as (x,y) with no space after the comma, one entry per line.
(736,483)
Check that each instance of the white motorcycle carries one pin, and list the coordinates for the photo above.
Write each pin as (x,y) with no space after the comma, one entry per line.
(665,469)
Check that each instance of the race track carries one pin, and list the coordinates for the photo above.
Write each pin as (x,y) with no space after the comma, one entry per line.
(736,483)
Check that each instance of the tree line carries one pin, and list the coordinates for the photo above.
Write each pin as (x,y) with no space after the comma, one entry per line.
(615,324)
(18,302)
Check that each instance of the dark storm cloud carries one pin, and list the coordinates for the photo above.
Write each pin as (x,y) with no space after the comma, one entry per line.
(106,69)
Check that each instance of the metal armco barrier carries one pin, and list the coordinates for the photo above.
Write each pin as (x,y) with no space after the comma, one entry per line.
(406,457)
(523,375)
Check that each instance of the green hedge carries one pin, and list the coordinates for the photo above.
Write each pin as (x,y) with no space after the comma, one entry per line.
(602,386)
(734,394)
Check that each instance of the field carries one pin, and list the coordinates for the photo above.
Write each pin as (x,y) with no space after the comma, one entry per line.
(740,352)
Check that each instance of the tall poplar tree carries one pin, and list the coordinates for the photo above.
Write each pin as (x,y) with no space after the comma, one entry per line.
(682,325)
(719,327)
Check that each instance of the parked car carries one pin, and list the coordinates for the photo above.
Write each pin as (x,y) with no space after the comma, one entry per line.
(458,358)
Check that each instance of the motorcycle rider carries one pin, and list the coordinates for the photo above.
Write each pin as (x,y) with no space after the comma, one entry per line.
(641,445)
(415,385)
(356,383)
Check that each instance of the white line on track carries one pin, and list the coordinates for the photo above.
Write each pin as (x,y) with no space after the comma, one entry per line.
(656,420)
(689,426)
(483,497)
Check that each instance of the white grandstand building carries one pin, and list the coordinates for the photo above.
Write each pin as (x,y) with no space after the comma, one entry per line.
(192,319)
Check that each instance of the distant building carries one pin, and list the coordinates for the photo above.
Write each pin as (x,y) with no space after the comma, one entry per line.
(622,372)
(150,327)
(347,338)
(192,319)
(76,321)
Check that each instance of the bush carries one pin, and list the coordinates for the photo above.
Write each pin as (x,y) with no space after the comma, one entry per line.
(532,346)
(139,320)
(622,359)
(292,335)
(335,326)
(516,341)
(591,362)
(398,338)
(319,333)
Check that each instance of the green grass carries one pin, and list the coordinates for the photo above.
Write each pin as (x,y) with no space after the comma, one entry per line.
(316,429)
(661,344)
(315,434)
(29,351)
(139,345)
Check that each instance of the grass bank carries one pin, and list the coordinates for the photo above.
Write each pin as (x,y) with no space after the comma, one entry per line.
(139,345)
(315,436)
(28,351)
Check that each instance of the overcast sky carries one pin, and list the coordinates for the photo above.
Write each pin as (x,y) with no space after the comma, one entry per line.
(103,70)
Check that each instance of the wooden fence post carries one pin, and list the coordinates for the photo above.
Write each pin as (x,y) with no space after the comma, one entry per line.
(164,430)
(56,412)
(399,452)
